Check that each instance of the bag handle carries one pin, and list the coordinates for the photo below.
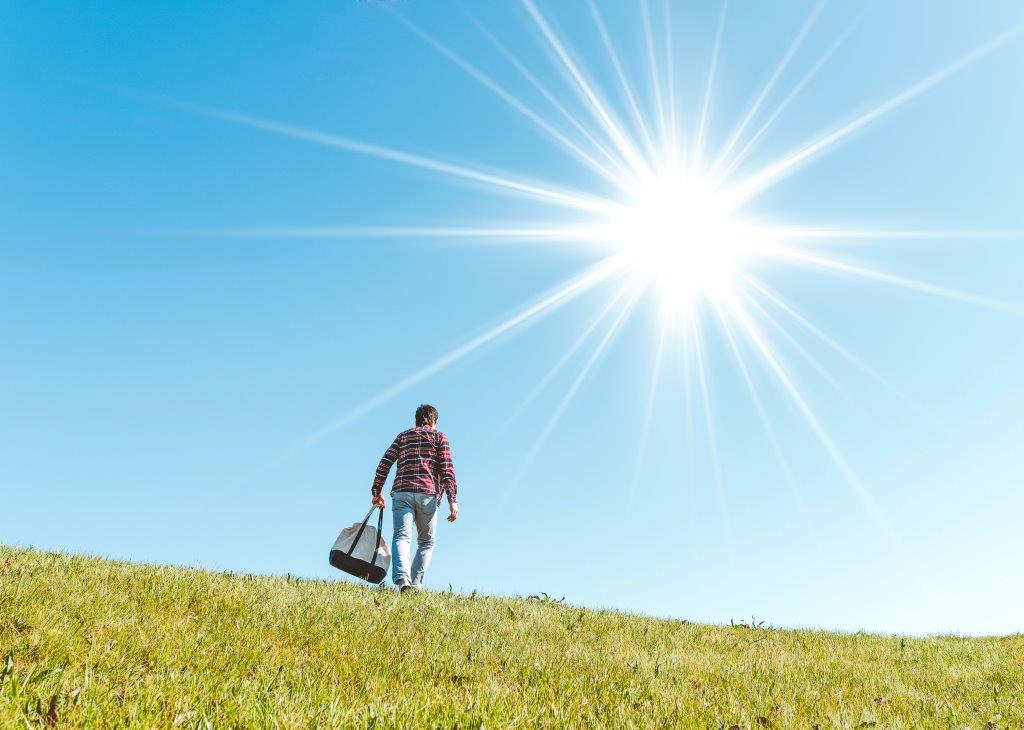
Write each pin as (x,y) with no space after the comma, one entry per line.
(380,527)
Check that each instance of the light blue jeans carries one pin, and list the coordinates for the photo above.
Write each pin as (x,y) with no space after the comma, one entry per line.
(407,508)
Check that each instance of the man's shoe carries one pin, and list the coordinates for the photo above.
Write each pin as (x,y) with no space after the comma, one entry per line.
(407,588)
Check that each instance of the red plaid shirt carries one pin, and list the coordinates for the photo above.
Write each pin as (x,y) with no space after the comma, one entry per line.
(424,459)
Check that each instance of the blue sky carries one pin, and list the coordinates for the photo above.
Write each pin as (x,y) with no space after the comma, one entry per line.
(172,342)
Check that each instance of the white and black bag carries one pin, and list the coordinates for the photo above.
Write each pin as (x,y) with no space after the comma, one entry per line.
(360,550)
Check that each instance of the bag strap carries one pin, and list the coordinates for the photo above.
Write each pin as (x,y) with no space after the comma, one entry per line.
(363,527)
(380,528)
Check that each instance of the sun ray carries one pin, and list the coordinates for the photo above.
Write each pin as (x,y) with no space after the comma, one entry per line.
(548,95)
(595,105)
(670,77)
(552,195)
(691,450)
(555,369)
(762,415)
(792,95)
(769,358)
(832,234)
(510,233)
(829,264)
(811,360)
(790,162)
(560,296)
(709,424)
(577,383)
(514,102)
(645,425)
(620,74)
(843,352)
(737,133)
(652,67)
(705,112)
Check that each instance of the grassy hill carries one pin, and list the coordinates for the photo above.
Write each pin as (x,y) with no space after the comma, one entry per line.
(85,641)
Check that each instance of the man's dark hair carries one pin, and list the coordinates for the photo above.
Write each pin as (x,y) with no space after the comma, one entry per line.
(426,415)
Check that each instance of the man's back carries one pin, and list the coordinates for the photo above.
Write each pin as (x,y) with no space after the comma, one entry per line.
(424,459)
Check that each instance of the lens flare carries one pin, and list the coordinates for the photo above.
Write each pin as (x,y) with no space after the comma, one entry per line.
(667,199)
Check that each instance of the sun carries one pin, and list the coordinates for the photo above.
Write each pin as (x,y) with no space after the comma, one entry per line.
(680,234)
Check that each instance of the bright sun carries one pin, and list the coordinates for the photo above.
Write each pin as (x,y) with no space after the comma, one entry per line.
(679,234)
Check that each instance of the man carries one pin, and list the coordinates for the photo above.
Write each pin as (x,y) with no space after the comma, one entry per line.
(424,472)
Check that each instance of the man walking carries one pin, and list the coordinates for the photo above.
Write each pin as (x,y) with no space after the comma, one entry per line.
(424,472)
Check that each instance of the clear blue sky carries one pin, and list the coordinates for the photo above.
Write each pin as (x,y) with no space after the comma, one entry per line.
(172,345)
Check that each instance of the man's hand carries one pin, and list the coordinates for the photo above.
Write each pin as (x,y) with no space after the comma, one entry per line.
(378,501)
(453,512)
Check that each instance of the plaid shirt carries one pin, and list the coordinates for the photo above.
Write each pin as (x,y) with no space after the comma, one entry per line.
(424,459)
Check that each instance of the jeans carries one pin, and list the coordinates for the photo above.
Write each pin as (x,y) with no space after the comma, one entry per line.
(409,507)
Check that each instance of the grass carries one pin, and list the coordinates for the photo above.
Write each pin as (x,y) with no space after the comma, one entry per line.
(91,642)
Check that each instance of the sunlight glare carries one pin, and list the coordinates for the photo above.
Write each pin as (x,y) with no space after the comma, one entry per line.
(681,237)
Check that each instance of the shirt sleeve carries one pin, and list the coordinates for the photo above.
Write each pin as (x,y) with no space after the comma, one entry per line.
(384,467)
(447,470)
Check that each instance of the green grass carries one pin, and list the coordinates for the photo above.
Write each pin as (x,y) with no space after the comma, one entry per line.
(98,643)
